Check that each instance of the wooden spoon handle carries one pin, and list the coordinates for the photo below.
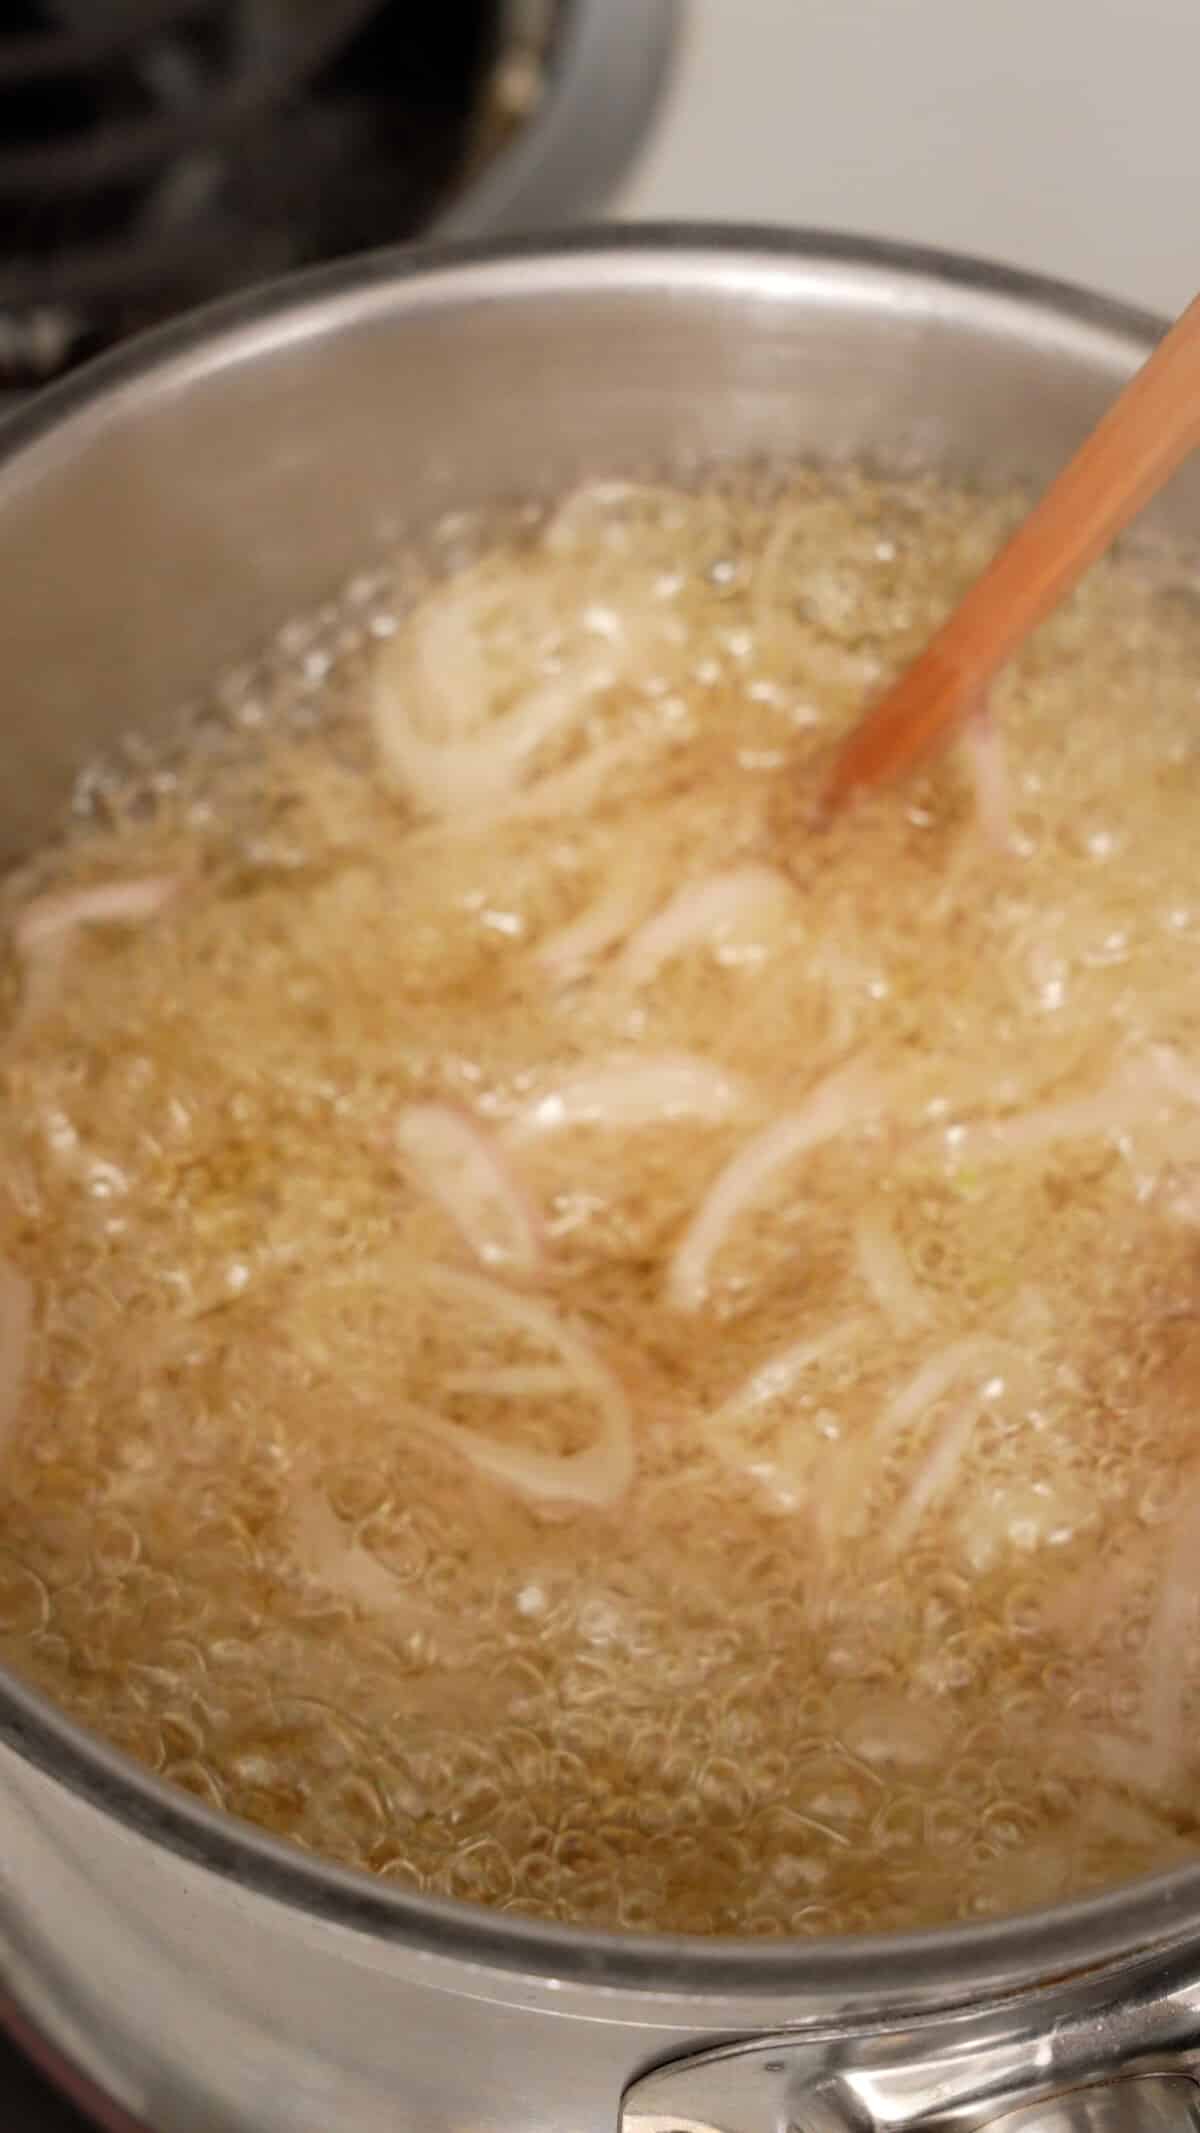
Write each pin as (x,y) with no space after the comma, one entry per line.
(1150,428)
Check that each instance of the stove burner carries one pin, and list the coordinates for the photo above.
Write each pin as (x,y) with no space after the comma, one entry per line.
(154,153)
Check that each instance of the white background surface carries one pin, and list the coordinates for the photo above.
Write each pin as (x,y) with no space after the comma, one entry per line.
(1062,135)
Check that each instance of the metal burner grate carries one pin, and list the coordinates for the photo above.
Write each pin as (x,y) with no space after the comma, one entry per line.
(157,152)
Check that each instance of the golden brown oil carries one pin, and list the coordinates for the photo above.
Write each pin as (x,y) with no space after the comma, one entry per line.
(884,1647)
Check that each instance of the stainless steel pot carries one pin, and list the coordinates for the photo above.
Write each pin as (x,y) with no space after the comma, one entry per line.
(568,100)
(158,518)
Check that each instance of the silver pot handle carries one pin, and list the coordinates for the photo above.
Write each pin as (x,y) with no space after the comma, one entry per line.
(755,2091)
(1131,2103)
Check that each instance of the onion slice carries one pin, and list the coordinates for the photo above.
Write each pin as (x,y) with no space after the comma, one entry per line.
(579,786)
(984,754)
(587,510)
(845,1099)
(107,903)
(44,931)
(1139,1090)
(656,1090)
(450,664)
(933,1477)
(886,1274)
(451,776)
(1177,1077)
(331,1554)
(463,1168)
(598,1476)
(16,1327)
(512,1381)
(702,912)
(603,922)
(772,1380)
(983,1353)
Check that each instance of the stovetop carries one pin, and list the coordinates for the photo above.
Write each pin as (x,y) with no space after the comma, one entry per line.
(155,153)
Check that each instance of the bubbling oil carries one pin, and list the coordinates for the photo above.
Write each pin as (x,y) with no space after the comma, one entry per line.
(861,1168)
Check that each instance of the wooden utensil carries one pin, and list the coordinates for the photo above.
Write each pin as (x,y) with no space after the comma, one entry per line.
(1146,434)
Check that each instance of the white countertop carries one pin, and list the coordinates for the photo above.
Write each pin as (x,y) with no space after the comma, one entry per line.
(1062,135)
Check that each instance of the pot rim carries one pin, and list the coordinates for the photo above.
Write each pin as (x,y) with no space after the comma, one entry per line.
(957,1962)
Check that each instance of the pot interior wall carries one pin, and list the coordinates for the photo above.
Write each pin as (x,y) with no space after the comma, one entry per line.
(218,481)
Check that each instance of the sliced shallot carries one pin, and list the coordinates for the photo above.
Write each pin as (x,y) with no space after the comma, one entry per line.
(450,776)
(459,1164)
(982,1353)
(933,1477)
(1176,1075)
(845,1099)
(1138,1091)
(886,1273)
(16,1326)
(44,931)
(582,785)
(579,786)
(604,922)
(586,510)
(511,1381)
(107,903)
(705,912)
(597,1476)
(449,658)
(331,1554)
(637,1092)
(983,750)
(771,1381)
